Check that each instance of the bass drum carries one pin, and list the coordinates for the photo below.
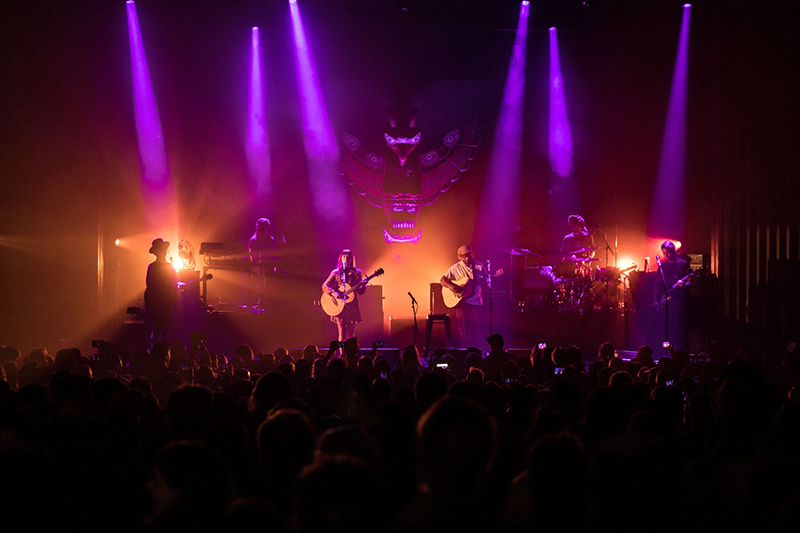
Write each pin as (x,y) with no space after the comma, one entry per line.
(567,270)
(538,286)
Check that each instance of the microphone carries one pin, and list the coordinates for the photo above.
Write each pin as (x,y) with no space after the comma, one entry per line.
(658,259)
(413,301)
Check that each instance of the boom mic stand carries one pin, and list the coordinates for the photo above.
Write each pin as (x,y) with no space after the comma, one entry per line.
(414,308)
(607,248)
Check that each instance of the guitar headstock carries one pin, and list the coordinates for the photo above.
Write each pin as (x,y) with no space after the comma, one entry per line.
(377,273)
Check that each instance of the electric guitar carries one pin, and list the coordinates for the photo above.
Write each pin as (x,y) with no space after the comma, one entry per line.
(452,299)
(333,303)
(685,281)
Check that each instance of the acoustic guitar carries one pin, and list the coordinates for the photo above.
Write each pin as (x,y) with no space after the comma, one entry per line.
(333,303)
(452,299)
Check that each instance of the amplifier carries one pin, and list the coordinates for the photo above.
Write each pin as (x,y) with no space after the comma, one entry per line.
(696,261)
(437,303)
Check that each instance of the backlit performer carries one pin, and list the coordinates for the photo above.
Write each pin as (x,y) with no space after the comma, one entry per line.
(346,275)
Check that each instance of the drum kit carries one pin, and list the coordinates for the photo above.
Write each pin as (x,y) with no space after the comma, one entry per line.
(571,284)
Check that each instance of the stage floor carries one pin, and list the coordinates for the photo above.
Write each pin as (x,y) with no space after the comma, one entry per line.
(293,328)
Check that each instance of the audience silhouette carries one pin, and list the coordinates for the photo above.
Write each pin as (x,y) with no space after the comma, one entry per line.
(183,438)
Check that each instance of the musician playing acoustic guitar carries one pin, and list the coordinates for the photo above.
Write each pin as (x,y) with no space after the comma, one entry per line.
(346,275)
(466,279)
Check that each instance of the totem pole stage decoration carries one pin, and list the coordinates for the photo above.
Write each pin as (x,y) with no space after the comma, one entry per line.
(401,188)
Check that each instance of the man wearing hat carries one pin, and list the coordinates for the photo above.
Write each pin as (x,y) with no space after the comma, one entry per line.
(469,312)
(161,293)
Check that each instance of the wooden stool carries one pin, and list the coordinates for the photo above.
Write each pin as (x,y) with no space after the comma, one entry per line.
(442,318)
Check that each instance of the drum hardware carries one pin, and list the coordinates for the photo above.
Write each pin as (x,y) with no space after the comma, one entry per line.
(572,286)
(583,251)
(538,285)
(521,251)
(582,260)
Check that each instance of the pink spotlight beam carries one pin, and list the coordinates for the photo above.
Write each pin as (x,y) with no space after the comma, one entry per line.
(560,136)
(153,153)
(257,143)
(329,195)
(505,162)
(668,210)
(157,194)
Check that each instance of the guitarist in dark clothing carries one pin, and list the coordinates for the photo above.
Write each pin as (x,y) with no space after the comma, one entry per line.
(161,293)
(670,291)
(672,270)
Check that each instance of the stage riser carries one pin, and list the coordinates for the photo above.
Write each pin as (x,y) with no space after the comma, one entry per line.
(296,328)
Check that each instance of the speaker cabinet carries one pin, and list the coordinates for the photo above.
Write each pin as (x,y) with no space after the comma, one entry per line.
(437,303)
(371,305)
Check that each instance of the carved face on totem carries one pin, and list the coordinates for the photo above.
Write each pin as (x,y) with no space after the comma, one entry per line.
(404,186)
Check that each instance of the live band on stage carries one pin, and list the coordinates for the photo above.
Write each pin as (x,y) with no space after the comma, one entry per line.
(574,283)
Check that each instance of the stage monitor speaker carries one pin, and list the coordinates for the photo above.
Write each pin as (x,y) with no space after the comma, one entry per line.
(136,333)
(403,331)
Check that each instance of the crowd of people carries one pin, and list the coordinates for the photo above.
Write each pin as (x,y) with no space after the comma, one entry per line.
(180,438)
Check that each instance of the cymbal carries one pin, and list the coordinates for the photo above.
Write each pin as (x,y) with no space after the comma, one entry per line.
(582,260)
(521,251)
(583,250)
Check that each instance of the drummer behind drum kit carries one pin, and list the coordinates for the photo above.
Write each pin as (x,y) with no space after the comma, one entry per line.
(572,285)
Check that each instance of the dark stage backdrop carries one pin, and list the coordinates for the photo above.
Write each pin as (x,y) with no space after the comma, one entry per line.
(70,166)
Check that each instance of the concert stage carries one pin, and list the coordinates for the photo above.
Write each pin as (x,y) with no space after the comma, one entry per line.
(293,328)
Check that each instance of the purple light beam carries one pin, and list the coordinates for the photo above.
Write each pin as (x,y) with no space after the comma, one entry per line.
(156,186)
(560,138)
(257,144)
(502,190)
(668,208)
(331,201)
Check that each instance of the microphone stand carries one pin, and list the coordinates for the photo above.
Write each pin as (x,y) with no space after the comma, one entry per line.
(414,307)
(608,273)
(344,287)
(491,301)
(666,301)
(343,325)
